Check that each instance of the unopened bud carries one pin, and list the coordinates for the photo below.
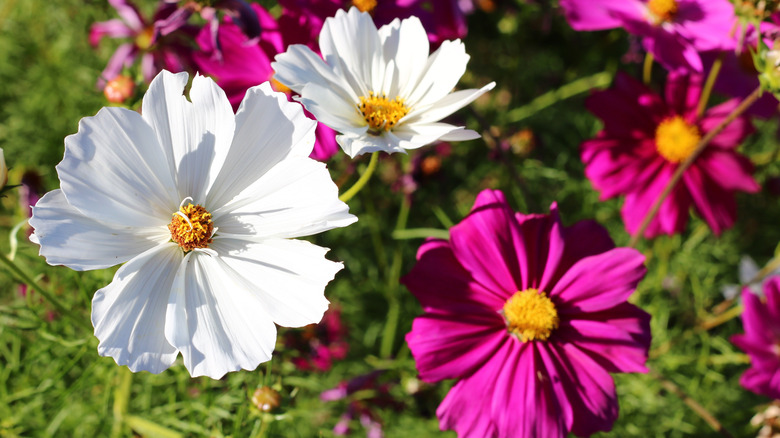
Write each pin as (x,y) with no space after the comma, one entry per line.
(266,399)
(119,89)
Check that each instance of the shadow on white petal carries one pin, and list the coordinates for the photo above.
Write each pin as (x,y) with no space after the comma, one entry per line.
(216,324)
(129,314)
(289,276)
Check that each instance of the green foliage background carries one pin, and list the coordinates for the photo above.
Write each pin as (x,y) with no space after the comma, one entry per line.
(53,383)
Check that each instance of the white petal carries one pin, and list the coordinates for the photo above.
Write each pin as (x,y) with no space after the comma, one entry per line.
(299,66)
(218,325)
(268,129)
(354,145)
(407,44)
(114,170)
(417,135)
(129,314)
(350,43)
(442,72)
(289,275)
(196,134)
(328,108)
(295,198)
(446,106)
(69,238)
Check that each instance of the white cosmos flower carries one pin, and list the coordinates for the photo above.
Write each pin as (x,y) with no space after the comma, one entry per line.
(200,203)
(379,88)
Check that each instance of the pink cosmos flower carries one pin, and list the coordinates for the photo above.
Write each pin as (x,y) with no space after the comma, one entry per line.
(674,31)
(171,52)
(761,340)
(530,317)
(442,19)
(318,345)
(645,138)
(243,63)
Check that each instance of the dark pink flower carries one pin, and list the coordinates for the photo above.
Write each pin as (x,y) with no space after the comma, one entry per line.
(244,63)
(674,31)
(761,340)
(645,138)
(157,52)
(442,19)
(318,345)
(530,317)
(373,395)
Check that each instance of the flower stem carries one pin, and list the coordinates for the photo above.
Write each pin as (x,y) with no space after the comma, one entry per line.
(693,404)
(25,278)
(744,105)
(647,68)
(707,90)
(121,399)
(361,182)
(393,304)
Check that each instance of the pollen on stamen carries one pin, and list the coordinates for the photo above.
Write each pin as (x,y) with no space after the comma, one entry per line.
(380,113)
(663,10)
(191,227)
(530,315)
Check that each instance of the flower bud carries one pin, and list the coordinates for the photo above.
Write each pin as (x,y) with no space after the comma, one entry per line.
(266,399)
(119,89)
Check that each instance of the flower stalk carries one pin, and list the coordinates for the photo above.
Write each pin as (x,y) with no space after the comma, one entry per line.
(363,180)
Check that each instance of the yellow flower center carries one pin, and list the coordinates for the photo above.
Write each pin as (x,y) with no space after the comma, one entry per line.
(144,39)
(381,113)
(676,139)
(191,227)
(365,5)
(530,315)
(664,10)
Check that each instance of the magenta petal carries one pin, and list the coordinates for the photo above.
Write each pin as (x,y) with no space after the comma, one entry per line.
(617,338)
(487,242)
(112,28)
(728,170)
(762,382)
(524,403)
(442,285)
(129,13)
(599,282)
(464,408)
(734,133)
(629,109)
(584,386)
(682,93)
(715,205)
(449,347)
(584,15)
(123,56)
(673,52)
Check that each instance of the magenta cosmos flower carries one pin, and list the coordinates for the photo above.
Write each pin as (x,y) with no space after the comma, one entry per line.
(761,340)
(171,52)
(442,19)
(240,64)
(674,31)
(645,138)
(530,317)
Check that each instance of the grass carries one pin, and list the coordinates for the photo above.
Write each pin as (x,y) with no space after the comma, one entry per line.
(53,383)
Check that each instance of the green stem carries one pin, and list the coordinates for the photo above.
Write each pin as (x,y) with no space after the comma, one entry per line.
(647,69)
(121,399)
(707,90)
(693,404)
(25,278)
(393,305)
(579,86)
(361,182)
(682,167)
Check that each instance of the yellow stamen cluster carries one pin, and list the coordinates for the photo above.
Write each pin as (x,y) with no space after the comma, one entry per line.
(676,139)
(381,113)
(663,10)
(194,232)
(144,39)
(280,87)
(530,315)
(365,5)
